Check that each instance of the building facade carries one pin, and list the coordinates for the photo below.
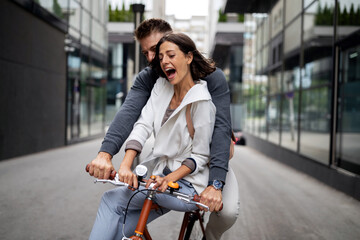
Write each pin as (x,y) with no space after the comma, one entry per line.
(302,95)
(53,62)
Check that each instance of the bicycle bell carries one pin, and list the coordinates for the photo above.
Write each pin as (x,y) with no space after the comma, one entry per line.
(141,172)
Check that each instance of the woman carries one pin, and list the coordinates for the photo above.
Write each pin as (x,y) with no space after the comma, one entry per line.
(176,155)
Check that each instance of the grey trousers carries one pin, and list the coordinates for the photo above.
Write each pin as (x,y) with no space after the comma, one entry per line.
(110,216)
(221,221)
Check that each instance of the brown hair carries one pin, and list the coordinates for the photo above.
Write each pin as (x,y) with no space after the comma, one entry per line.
(151,25)
(200,66)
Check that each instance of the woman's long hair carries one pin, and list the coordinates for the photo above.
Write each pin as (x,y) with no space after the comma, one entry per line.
(200,66)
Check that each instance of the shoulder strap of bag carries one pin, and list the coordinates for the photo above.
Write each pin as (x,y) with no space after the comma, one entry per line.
(189,121)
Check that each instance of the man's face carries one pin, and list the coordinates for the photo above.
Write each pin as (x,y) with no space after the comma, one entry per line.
(148,45)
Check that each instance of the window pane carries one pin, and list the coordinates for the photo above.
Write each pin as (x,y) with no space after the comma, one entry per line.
(97,33)
(97,104)
(74,15)
(275,83)
(293,8)
(315,124)
(273,116)
(85,27)
(348,137)
(292,37)
(290,108)
(277,18)
(87,4)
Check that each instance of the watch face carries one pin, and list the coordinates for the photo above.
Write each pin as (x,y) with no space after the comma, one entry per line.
(217,184)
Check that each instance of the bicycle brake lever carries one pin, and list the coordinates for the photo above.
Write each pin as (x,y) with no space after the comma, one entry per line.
(115,182)
(192,202)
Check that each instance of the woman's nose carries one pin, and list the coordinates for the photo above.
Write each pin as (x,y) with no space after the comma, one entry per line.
(165,59)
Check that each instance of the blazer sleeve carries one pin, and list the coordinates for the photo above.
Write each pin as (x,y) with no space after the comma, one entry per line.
(220,144)
(203,117)
(129,112)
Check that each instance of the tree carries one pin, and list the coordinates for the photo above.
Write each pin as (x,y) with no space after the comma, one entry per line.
(352,16)
(319,17)
(111,14)
(241,17)
(344,17)
(357,16)
(57,9)
(222,17)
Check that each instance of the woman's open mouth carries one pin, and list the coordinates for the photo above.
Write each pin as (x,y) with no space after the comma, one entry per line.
(170,73)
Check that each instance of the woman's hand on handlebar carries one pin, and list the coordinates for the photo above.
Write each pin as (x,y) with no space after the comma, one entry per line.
(101,167)
(161,183)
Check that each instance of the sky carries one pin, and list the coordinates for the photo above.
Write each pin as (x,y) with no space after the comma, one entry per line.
(180,8)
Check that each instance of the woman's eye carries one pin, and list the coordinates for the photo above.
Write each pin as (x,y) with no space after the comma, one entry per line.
(171,56)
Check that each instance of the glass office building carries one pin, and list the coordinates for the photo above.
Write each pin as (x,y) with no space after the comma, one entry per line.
(53,63)
(86,47)
(87,63)
(302,99)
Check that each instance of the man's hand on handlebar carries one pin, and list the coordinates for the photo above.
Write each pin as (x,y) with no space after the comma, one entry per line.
(101,167)
(212,198)
(127,176)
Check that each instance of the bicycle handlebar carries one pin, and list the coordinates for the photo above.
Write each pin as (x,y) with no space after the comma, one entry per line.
(184,197)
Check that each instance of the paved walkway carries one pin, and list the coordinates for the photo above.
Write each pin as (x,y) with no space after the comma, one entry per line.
(48,196)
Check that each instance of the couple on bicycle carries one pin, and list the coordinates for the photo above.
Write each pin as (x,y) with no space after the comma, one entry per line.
(179,79)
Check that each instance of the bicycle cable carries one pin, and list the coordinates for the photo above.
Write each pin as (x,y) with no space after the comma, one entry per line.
(127,207)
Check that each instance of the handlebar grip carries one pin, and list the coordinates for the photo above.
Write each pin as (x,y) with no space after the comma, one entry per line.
(112,174)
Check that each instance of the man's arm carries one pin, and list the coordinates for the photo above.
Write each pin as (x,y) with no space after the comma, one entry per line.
(123,123)
(220,144)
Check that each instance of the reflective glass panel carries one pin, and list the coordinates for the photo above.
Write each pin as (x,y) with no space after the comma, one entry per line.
(74,15)
(85,23)
(290,109)
(273,117)
(293,8)
(315,124)
(348,136)
(98,33)
(292,38)
(97,103)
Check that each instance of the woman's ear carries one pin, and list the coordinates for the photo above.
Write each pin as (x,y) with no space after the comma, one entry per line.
(189,57)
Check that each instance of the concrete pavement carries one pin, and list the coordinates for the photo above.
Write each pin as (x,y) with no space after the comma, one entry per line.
(49,196)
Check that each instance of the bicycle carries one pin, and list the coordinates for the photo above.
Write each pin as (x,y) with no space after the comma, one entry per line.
(141,232)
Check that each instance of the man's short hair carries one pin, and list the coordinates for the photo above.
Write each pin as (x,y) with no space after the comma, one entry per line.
(150,26)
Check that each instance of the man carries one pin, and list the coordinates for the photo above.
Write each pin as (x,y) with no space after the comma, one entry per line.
(148,34)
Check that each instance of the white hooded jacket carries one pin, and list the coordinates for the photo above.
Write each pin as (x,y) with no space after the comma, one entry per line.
(173,143)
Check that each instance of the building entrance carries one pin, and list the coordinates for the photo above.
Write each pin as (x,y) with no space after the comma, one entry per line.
(348,125)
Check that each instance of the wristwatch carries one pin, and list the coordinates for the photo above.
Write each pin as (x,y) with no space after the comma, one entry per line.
(217,184)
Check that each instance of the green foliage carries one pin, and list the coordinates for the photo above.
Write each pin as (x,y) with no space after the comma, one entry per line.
(241,17)
(222,16)
(123,15)
(324,16)
(57,9)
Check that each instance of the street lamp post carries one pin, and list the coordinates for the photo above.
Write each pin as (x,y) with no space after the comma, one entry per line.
(138,10)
